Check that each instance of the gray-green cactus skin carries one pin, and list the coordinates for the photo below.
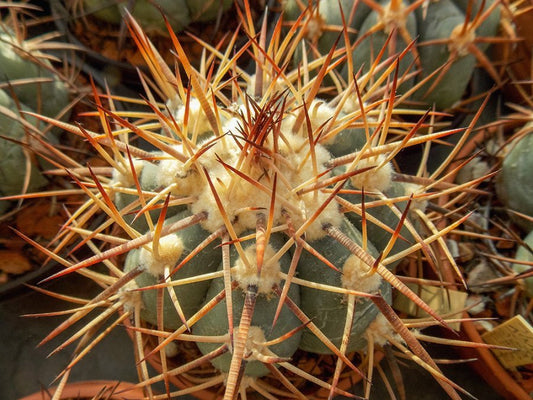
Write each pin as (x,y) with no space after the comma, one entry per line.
(439,22)
(44,93)
(524,254)
(344,143)
(13,160)
(368,48)
(513,183)
(329,310)
(179,13)
(326,310)
(191,295)
(431,21)
(380,237)
(215,322)
(16,62)
(207,10)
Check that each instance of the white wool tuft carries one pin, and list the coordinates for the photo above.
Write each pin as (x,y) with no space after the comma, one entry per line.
(170,250)
(378,179)
(357,275)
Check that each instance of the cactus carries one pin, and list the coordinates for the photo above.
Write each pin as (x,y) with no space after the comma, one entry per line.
(441,39)
(15,164)
(513,182)
(28,83)
(247,247)
(29,74)
(524,254)
(179,13)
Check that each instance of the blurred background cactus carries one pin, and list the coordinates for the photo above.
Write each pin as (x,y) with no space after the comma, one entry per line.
(28,83)
(440,43)
(513,182)
(150,15)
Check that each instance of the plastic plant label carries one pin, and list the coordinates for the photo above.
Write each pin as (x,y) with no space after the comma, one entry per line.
(515,333)
(444,301)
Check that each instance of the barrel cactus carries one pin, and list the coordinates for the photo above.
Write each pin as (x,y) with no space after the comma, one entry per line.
(442,40)
(513,183)
(30,75)
(18,173)
(244,225)
(28,83)
(522,264)
(179,13)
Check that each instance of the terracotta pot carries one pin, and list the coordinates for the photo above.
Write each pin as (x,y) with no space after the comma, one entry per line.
(89,390)
(486,364)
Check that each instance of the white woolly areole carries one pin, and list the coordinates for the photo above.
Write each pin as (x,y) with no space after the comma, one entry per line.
(173,172)
(125,179)
(256,339)
(246,275)
(413,188)
(319,113)
(172,349)
(375,179)
(380,329)
(357,275)
(330,215)
(197,121)
(130,297)
(169,252)
(352,104)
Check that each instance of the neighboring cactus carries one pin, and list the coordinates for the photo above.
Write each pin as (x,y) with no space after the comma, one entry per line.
(450,36)
(149,13)
(513,183)
(525,254)
(28,83)
(247,247)
(29,74)
(18,172)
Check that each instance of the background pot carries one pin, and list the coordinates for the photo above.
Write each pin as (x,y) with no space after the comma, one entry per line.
(109,390)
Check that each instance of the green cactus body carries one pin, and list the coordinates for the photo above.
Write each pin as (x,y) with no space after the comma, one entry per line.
(441,22)
(191,295)
(379,236)
(346,140)
(17,62)
(179,13)
(148,13)
(489,26)
(13,167)
(326,309)
(513,183)
(394,20)
(441,19)
(444,19)
(262,328)
(207,10)
(524,254)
